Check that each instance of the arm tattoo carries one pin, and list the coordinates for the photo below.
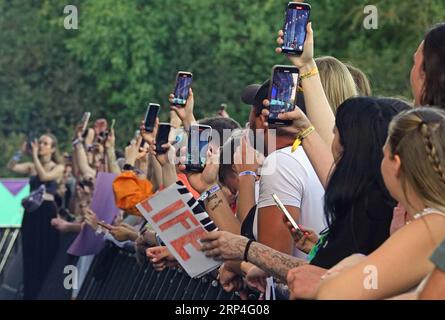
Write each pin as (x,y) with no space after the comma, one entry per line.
(272,261)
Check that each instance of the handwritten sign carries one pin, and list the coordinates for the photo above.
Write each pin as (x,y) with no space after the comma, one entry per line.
(180,222)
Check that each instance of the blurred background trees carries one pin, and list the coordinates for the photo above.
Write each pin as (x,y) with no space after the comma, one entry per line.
(126,54)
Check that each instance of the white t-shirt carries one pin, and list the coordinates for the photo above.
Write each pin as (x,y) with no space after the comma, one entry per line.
(293,179)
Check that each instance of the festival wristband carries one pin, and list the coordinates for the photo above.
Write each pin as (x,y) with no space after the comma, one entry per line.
(247,173)
(209,192)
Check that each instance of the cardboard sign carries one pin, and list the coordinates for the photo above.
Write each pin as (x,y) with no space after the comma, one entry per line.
(180,222)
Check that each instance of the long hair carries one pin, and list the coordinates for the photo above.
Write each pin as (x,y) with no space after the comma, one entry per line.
(362,124)
(418,138)
(337,81)
(434,66)
(361,80)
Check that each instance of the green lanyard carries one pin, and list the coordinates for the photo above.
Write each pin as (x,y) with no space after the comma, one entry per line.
(320,243)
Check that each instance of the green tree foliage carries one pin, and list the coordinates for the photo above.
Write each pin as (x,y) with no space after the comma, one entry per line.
(126,54)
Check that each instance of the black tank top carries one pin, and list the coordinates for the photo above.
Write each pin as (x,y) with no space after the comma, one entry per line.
(35,183)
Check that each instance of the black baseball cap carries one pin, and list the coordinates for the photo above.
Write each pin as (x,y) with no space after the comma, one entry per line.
(254,94)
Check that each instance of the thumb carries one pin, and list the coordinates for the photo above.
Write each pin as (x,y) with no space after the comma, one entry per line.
(310,32)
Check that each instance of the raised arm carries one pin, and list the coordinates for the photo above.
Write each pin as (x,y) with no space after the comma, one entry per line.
(318,152)
(82,161)
(111,154)
(317,105)
(185,114)
(246,164)
(216,203)
(21,168)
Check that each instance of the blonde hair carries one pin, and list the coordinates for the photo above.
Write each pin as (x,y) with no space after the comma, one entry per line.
(361,80)
(418,137)
(337,81)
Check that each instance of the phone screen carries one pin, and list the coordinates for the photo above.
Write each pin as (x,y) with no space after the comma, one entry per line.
(150,116)
(183,84)
(297,17)
(283,92)
(197,147)
(162,136)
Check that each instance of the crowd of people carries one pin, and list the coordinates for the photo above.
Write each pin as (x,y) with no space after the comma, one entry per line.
(366,186)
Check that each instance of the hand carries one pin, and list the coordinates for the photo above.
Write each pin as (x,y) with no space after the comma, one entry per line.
(209,176)
(161,258)
(299,120)
(133,152)
(111,140)
(90,218)
(223,245)
(307,241)
(141,245)
(78,132)
(185,113)
(245,157)
(35,148)
(229,280)
(120,233)
(256,279)
(304,281)
(346,263)
(149,137)
(305,62)
(167,157)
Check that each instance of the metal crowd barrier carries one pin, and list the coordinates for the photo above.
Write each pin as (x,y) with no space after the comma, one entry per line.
(8,238)
(115,274)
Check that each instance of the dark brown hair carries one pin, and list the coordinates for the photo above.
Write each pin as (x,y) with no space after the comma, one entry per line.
(434,67)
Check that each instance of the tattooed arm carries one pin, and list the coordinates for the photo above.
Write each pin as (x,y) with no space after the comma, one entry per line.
(219,211)
(226,246)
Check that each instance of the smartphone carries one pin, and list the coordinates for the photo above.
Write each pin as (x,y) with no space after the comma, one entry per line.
(150,116)
(182,87)
(199,137)
(296,19)
(162,136)
(283,209)
(84,121)
(282,92)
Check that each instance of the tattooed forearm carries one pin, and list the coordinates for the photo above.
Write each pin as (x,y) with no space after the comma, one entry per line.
(272,261)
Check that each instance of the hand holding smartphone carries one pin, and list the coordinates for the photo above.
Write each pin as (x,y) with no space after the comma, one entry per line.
(162,137)
(199,137)
(296,19)
(182,88)
(283,209)
(282,92)
(84,121)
